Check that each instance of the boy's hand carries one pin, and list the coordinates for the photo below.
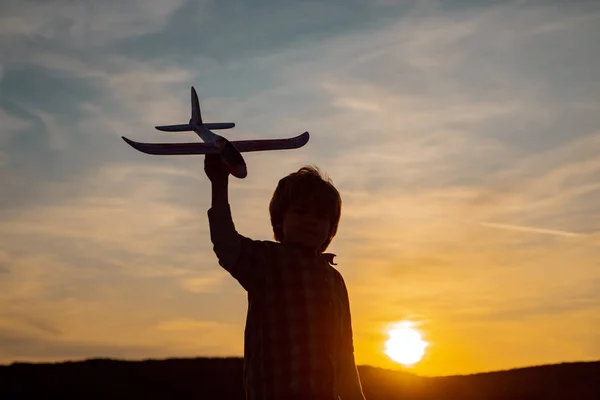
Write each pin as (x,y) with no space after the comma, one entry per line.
(214,168)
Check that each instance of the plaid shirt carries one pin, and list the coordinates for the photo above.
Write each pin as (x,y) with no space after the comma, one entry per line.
(298,329)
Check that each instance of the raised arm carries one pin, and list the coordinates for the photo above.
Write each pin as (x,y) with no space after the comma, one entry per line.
(226,240)
(237,254)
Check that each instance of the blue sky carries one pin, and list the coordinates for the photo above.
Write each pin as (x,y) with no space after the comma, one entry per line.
(464,140)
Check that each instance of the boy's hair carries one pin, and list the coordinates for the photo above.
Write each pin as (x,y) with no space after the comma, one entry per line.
(310,185)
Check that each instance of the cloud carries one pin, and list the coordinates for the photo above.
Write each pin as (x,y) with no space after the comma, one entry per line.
(85,24)
(531,229)
(185,324)
(11,125)
(204,283)
(17,348)
(73,300)
(33,325)
(258,30)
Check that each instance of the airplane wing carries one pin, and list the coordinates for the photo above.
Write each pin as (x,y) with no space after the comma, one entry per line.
(173,148)
(206,148)
(271,144)
(174,128)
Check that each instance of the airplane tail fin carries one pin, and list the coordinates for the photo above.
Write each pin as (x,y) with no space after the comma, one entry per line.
(195,120)
(196,115)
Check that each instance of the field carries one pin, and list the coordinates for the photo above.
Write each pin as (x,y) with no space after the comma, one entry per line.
(221,378)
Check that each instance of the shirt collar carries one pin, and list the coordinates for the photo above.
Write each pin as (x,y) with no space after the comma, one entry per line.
(327,256)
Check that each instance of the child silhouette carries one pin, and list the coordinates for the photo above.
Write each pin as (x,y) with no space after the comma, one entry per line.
(298,340)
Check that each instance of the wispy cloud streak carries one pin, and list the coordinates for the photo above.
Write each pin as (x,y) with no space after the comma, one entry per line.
(531,229)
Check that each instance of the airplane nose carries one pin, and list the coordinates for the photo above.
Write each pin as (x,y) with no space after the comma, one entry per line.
(240,171)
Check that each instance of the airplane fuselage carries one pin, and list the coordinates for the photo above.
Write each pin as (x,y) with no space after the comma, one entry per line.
(205,134)
(229,154)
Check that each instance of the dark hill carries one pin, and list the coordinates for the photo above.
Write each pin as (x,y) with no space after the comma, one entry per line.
(221,378)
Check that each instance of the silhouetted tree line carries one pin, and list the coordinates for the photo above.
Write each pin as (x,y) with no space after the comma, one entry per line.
(221,378)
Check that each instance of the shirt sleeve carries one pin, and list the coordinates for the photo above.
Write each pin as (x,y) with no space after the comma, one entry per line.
(244,258)
(347,335)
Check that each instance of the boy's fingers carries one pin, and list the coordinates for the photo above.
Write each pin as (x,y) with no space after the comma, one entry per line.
(211,158)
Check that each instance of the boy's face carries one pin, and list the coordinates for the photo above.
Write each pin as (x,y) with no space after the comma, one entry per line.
(305,224)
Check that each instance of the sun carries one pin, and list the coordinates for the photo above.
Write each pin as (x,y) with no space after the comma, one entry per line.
(405,345)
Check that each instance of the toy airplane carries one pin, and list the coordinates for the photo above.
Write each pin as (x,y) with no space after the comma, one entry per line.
(215,144)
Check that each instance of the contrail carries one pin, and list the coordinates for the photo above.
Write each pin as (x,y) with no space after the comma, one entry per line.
(531,229)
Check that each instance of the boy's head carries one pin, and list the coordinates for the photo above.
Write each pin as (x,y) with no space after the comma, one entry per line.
(305,209)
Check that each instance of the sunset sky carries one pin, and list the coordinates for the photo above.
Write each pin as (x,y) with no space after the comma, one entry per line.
(464,138)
